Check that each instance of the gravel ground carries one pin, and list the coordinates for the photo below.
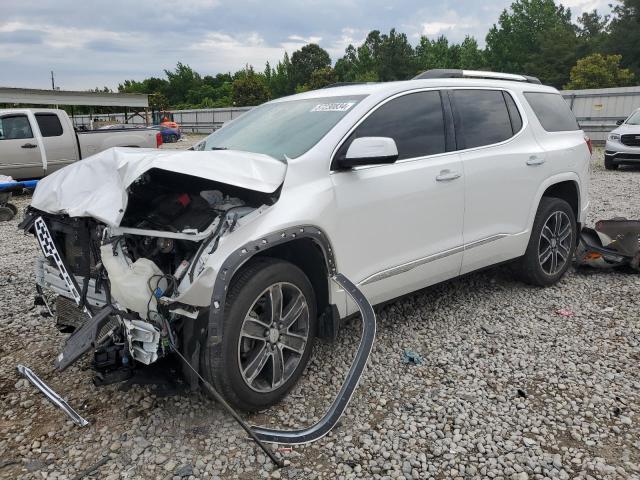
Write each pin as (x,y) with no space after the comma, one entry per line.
(509,388)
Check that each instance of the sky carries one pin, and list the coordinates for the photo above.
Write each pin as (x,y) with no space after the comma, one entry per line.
(90,43)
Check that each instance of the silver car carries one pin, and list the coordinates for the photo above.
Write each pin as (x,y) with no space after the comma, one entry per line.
(623,144)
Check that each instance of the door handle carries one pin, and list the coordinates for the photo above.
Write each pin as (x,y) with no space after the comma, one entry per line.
(447,175)
(29,145)
(535,160)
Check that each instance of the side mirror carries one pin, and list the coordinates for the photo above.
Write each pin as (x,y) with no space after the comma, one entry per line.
(619,122)
(370,151)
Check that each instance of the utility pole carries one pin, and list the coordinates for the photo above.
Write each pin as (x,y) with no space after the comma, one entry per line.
(53,84)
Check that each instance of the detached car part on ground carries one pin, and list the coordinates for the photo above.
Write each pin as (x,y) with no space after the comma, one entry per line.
(229,255)
(613,243)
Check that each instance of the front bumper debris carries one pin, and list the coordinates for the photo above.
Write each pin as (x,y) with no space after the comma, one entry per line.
(613,243)
(53,397)
(337,408)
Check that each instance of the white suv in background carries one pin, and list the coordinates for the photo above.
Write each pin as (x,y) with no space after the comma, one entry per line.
(623,143)
(228,251)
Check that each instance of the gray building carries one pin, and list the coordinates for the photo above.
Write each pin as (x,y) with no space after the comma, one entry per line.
(597,110)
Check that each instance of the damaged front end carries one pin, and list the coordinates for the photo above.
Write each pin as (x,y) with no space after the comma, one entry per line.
(122,271)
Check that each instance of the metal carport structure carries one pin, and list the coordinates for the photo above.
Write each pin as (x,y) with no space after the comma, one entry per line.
(28,96)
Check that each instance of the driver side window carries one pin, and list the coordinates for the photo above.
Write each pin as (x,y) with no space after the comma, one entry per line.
(415,121)
(15,127)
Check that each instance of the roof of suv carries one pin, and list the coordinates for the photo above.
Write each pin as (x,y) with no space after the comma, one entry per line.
(391,88)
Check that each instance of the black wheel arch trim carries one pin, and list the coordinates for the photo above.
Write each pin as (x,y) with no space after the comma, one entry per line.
(243,254)
(340,403)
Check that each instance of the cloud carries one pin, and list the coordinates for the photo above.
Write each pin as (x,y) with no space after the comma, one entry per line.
(25,36)
(91,44)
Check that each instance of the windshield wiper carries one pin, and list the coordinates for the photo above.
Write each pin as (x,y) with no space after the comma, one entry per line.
(218,148)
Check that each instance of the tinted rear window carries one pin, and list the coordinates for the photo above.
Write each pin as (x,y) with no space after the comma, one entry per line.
(482,116)
(553,111)
(49,124)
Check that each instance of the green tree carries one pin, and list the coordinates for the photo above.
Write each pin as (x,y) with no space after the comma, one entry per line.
(599,71)
(157,101)
(319,79)
(180,81)
(437,53)
(381,57)
(395,57)
(624,37)
(305,61)
(471,57)
(279,81)
(520,41)
(249,89)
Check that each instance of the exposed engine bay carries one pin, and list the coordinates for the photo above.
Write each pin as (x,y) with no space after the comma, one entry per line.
(135,269)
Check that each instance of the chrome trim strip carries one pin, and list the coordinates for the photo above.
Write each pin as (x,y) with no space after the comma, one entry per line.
(52,396)
(484,241)
(405,267)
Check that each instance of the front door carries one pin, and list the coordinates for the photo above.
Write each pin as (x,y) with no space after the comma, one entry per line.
(400,225)
(19,151)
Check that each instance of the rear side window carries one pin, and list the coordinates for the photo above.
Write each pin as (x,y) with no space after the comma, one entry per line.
(49,124)
(553,111)
(482,118)
(415,121)
(514,114)
(15,127)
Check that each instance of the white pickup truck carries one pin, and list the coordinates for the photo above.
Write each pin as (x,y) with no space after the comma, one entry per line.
(35,142)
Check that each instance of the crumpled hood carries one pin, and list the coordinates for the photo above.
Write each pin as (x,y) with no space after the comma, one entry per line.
(97,186)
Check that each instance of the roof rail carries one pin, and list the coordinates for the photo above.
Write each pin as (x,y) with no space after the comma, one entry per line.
(456,73)
(344,84)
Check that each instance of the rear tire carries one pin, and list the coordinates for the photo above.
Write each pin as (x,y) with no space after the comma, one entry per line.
(609,164)
(258,332)
(551,245)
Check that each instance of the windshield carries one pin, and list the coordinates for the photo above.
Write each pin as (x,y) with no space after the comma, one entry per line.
(634,119)
(282,129)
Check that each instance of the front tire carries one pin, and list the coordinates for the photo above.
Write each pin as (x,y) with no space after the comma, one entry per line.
(269,327)
(551,245)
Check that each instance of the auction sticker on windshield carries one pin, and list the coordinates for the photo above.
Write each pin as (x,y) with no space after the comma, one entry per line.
(333,107)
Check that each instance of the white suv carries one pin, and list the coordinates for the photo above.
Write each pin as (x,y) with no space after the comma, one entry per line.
(227,252)
(623,143)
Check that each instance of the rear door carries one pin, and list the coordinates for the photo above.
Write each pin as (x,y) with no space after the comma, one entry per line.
(19,152)
(59,140)
(400,225)
(504,167)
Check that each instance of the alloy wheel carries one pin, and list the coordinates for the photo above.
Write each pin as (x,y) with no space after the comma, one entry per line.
(273,337)
(554,245)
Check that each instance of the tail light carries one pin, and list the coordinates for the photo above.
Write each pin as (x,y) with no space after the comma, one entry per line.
(589,144)
(158,139)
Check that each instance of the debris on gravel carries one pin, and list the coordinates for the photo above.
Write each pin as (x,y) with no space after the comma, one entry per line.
(508,388)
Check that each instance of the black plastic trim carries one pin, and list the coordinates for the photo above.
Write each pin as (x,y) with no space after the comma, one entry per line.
(243,254)
(337,408)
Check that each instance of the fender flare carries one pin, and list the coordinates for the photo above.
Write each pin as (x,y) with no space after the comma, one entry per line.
(243,254)
(549,182)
